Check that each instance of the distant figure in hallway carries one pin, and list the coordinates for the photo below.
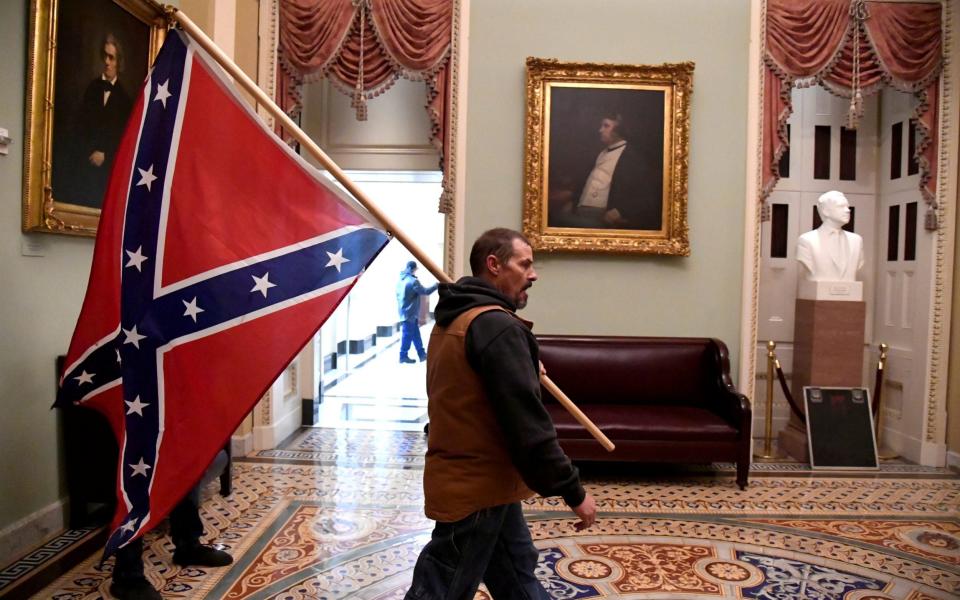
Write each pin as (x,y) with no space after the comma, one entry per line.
(409,291)
(828,253)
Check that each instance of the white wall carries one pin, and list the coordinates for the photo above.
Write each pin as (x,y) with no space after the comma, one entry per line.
(634,295)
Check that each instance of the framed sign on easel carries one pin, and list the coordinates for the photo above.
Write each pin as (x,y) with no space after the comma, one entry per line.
(840,431)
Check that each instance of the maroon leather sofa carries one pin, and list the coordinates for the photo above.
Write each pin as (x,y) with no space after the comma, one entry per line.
(658,399)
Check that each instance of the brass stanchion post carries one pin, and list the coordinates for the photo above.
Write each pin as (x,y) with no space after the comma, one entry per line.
(768,452)
(881,364)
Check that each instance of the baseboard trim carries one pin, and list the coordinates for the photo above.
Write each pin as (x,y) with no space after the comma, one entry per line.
(268,437)
(32,530)
(953,460)
(241,445)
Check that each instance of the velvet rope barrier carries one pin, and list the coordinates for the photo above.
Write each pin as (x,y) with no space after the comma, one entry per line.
(786,391)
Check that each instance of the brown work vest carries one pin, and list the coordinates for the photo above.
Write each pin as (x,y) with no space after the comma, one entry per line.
(468,467)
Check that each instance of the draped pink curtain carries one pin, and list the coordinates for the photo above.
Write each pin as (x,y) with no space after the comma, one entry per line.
(374,42)
(812,41)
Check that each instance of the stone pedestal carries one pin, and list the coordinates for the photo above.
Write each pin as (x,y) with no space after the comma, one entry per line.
(827,352)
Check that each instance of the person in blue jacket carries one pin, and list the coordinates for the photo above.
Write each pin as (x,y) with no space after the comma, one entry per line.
(409,290)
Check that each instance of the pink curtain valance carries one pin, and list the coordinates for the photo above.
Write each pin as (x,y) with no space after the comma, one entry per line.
(362,47)
(853,48)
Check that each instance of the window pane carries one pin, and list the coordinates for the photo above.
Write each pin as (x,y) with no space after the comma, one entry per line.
(784,166)
(848,154)
(913,165)
(778,231)
(893,233)
(821,152)
(910,233)
(896,150)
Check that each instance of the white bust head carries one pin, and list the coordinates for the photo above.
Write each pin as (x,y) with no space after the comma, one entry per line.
(834,209)
(828,253)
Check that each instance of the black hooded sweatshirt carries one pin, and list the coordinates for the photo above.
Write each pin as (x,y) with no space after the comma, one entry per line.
(505,354)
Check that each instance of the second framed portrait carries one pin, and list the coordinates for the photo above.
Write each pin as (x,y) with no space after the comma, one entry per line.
(606,157)
(89,59)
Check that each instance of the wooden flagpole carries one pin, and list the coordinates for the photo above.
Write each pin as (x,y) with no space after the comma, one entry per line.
(316,152)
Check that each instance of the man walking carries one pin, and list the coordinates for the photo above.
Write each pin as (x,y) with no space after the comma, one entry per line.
(409,291)
(491,441)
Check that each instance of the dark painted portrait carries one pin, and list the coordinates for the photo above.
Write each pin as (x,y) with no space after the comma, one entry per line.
(101,62)
(606,148)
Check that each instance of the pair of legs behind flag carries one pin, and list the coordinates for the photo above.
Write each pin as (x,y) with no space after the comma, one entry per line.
(492,545)
(129,581)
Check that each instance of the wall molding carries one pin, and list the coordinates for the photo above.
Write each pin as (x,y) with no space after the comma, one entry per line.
(267,437)
(750,279)
(31,531)
(454,252)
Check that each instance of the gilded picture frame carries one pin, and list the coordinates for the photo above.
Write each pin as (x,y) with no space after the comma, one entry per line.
(77,104)
(606,157)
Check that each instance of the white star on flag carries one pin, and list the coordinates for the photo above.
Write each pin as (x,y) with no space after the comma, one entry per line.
(337,259)
(262,284)
(136,406)
(162,93)
(192,309)
(84,377)
(129,525)
(132,336)
(136,258)
(118,356)
(139,469)
(146,177)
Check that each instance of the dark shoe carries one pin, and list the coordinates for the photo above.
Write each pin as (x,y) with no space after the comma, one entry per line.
(405,360)
(201,556)
(426,428)
(134,589)
(423,358)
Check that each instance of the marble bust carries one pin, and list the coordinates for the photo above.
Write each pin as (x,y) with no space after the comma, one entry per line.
(828,253)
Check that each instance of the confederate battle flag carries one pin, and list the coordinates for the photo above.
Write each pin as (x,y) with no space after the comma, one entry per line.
(219,254)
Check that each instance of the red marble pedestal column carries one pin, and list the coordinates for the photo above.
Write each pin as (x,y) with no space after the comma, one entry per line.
(827,352)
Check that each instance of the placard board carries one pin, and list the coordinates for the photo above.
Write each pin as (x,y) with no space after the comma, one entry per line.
(840,428)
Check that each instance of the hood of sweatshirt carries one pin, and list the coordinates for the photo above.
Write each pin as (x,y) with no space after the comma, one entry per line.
(467,293)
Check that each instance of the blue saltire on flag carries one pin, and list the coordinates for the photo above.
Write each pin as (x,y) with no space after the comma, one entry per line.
(219,254)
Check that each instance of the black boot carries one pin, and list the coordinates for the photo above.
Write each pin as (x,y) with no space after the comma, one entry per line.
(134,589)
(201,556)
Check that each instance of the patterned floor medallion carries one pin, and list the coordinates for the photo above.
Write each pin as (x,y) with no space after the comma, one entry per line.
(344,520)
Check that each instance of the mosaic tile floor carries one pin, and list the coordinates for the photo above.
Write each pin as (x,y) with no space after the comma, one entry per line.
(340,516)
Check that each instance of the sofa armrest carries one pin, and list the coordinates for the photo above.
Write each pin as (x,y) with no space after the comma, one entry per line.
(733,406)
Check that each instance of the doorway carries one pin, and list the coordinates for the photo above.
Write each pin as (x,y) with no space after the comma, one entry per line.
(362,383)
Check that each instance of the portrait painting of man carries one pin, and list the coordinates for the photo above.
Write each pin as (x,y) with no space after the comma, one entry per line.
(606,149)
(101,61)
(606,158)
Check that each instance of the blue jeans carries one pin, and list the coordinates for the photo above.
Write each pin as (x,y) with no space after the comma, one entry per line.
(492,545)
(410,332)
